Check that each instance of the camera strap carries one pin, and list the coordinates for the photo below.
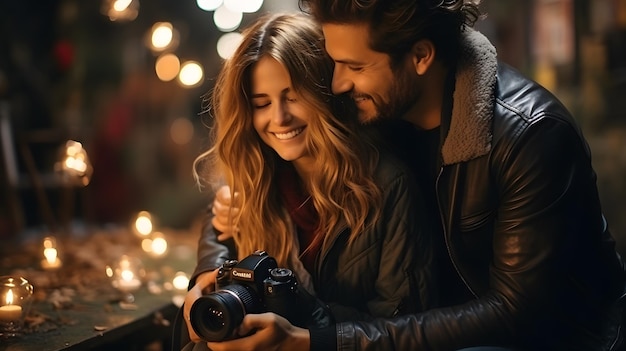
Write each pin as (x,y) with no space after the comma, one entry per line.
(178,329)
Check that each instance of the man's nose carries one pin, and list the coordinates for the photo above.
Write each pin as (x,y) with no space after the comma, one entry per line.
(341,82)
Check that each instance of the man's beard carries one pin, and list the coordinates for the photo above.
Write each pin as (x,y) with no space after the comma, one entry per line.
(403,94)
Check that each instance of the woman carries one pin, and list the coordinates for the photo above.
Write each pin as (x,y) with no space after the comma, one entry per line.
(312,190)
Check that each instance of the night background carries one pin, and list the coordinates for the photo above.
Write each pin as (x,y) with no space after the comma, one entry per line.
(69,70)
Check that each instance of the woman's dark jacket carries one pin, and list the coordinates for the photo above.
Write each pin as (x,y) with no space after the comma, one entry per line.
(522,226)
(387,270)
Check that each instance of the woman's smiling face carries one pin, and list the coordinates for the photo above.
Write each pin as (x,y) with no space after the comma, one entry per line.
(279,117)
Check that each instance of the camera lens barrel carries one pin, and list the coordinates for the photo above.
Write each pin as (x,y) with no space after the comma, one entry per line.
(214,317)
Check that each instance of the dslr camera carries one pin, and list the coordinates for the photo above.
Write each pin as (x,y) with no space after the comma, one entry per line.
(252,285)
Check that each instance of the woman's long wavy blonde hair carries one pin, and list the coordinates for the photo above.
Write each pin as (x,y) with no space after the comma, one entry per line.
(341,189)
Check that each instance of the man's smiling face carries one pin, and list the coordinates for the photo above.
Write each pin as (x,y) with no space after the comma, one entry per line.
(366,74)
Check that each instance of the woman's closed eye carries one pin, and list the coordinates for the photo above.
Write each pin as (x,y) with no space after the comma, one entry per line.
(260,103)
(260,106)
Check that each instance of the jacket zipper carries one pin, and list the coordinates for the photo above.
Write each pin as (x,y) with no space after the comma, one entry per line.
(445,229)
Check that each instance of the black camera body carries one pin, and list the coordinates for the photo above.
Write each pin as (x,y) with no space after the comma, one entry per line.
(253,285)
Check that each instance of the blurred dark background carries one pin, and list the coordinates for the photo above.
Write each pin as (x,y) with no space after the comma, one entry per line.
(71,69)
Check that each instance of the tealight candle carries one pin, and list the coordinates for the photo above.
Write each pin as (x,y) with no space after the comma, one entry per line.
(51,259)
(15,299)
(125,275)
(10,312)
(127,281)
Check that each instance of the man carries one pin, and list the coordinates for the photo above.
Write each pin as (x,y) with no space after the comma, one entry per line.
(527,261)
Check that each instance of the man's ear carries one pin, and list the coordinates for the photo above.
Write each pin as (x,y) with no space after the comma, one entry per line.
(423,52)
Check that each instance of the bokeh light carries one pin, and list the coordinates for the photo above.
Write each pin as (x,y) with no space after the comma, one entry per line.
(191,73)
(162,34)
(181,131)
(180,281)
(209,5)
(245,6)
(121,10)
(121,5)
(143,223)
(227,20)
(167,67)
(228,43)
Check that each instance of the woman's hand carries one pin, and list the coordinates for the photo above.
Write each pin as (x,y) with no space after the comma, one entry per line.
(205,283)
(271,332)
(223,208)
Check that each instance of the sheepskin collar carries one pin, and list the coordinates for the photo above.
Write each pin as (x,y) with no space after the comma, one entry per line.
(469,135)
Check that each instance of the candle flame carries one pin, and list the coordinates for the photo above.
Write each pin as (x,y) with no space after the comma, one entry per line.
(9,297)
(127,275)
(51,254)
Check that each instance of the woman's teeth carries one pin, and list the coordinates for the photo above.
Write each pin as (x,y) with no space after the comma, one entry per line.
(289,135)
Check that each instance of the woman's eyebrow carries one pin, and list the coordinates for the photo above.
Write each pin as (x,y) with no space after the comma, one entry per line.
(260,95)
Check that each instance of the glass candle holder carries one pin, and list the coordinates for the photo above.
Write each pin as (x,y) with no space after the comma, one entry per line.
(126,276)
(15,300)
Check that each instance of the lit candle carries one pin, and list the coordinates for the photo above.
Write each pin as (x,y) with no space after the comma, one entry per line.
(128,281)
(50,253)
(51,260)
(10,312)
(126,274)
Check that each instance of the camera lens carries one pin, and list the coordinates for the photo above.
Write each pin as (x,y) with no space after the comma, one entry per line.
(214,319)
(215,316)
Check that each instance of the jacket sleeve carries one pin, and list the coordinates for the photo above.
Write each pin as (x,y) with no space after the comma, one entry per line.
(545,228)
(211,253)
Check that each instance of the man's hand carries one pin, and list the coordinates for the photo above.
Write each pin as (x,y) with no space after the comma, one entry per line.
(223,208)
(205,283)
(271,333)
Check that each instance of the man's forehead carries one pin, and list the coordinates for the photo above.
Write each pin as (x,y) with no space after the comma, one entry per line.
(346,41)
(349,44)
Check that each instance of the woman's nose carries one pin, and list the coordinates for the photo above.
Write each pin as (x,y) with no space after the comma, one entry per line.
(281,114)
